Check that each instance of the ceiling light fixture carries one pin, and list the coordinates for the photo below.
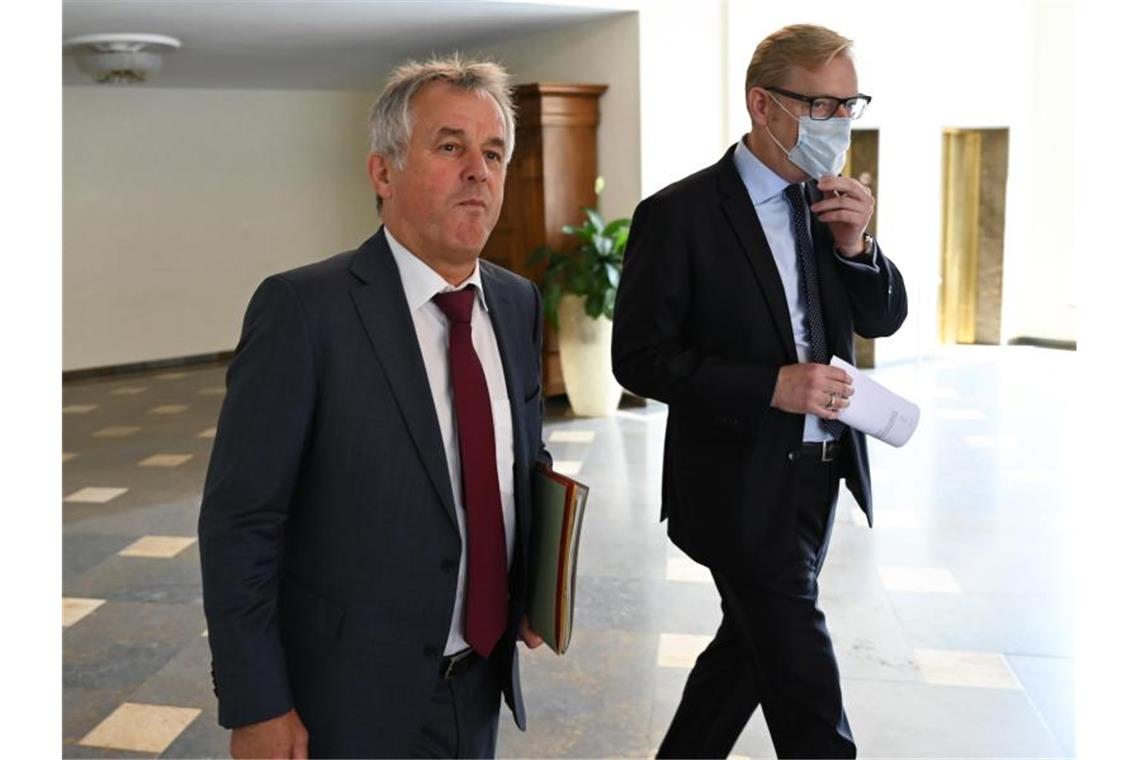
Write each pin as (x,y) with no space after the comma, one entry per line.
(119,58)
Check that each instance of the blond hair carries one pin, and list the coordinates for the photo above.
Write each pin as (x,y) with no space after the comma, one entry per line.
(805,45)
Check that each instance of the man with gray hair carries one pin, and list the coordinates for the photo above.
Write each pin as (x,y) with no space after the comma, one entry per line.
(365,527)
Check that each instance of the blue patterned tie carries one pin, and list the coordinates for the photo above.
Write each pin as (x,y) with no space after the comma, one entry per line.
(809,287)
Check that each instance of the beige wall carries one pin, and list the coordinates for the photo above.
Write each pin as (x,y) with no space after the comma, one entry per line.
(599,52)
(178,202)
(664,114)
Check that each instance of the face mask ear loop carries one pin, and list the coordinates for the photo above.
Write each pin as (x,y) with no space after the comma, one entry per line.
(772,137)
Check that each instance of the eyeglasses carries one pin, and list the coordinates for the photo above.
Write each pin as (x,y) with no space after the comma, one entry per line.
(823,107)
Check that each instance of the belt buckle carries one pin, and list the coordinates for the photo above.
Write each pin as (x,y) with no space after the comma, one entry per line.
(827,451)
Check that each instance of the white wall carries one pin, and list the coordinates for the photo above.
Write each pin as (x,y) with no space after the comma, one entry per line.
(598,52)
(1040,287)
(683,98)
(178,202)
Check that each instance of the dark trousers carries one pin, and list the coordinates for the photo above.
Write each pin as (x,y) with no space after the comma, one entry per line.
(772,650)
(463,715)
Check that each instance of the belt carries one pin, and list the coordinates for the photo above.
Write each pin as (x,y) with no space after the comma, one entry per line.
(457,664)
(820,451)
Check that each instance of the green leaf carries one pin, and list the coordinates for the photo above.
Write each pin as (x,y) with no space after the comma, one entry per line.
(551,297)
(591,269)
(540,254)
(594,305)
(615,226)
(579,283)
(596,220)
(611,299)
(620,238)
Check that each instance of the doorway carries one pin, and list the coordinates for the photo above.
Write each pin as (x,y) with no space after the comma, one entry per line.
(974,167)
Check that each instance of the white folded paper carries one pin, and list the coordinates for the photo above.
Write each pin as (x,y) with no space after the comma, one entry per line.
(876,411)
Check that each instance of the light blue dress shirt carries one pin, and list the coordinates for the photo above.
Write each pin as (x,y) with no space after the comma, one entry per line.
(766,191)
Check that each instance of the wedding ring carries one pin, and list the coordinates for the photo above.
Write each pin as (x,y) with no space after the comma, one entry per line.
(831,403)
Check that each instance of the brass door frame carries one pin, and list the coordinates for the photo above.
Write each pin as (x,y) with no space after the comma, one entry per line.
(863,159)
(961,191)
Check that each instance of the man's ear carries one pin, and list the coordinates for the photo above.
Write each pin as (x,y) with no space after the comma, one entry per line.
(380,173)
(758,105)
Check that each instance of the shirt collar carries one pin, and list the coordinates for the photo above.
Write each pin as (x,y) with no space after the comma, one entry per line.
(761,182)
(421,282)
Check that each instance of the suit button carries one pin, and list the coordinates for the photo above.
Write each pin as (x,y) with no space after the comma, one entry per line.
(791,456)
(431,652)
(448,565)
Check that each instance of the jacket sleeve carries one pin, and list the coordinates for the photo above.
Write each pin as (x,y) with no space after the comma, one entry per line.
(651,356)
(877,295)
(258,446)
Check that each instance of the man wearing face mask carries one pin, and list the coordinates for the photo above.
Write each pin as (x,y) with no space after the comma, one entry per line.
(741,282)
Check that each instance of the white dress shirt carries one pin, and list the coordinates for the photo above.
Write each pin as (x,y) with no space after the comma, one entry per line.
(766,191)
(421,283)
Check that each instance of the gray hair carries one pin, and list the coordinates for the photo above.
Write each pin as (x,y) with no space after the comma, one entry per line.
(390,122)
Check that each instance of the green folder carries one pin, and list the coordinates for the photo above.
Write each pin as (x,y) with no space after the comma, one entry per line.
(558,504)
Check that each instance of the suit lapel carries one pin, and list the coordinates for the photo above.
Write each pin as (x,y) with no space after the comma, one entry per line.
(742,217)
(383,308)
(507,315)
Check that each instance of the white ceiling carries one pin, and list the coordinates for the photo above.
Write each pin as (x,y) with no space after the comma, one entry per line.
(313,44)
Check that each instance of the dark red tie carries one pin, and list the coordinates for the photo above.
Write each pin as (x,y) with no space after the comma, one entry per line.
(486,617)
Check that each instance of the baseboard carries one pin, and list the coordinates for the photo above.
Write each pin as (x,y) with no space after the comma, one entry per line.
(1025,340)
(135,368)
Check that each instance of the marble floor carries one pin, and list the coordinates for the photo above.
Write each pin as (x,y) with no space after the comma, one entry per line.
(952,619)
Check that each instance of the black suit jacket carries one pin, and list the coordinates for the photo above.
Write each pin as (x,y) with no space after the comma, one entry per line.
(328,532)
(701,323)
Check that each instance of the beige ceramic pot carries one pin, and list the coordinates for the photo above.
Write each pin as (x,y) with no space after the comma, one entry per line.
(584,350)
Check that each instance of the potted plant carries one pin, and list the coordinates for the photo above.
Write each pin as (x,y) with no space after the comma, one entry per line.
(579,287)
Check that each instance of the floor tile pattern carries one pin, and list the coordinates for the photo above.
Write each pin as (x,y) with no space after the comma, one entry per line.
(952,619)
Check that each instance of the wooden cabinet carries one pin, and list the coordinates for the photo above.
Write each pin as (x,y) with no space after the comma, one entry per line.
(550,178)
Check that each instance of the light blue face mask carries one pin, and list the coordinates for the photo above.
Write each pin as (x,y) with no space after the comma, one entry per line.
(822,145)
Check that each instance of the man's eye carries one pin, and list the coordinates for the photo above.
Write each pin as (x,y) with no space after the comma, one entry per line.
(449,147)
(493,156)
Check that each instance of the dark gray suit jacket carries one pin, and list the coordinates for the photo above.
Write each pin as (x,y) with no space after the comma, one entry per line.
(328,532)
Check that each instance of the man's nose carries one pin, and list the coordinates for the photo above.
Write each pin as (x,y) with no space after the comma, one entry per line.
(476,168)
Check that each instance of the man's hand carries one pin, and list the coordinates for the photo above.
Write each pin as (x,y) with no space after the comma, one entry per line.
(528,634)
(847,214)
(281,737)
(818,389)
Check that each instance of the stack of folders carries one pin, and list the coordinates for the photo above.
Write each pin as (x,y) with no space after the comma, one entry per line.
(559,502)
